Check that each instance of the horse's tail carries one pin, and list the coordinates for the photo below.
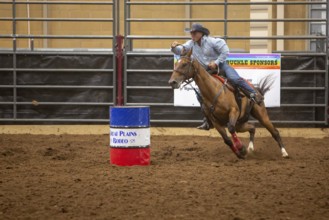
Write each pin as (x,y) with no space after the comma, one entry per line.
(265,84)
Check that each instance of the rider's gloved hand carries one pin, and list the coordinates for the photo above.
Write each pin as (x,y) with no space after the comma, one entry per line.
(213,66)
(174,44)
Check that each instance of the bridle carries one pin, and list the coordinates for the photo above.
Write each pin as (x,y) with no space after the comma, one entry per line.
(187,79)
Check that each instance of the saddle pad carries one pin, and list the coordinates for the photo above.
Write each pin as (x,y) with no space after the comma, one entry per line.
(228,84)
(223,80)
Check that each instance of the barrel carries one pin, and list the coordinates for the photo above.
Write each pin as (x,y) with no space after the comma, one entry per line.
(130,135)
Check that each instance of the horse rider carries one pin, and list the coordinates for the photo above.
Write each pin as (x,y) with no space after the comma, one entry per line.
(212,53)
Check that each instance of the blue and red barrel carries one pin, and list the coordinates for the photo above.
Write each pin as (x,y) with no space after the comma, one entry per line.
(130,135)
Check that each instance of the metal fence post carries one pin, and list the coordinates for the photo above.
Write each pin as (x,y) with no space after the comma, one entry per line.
(225,20)
(14,61)
(327,66)
(119,69)
(115,31)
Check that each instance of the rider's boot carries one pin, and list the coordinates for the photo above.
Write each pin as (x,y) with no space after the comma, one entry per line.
(257,98)
(206,125)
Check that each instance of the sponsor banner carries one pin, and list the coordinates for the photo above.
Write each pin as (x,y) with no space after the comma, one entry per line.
(185,96)
(254,61)
(253,67)
(129,137)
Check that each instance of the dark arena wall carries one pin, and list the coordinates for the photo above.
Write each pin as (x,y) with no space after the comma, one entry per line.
(82,85)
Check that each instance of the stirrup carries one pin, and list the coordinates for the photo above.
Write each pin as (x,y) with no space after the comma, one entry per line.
(257,98)
(204,126)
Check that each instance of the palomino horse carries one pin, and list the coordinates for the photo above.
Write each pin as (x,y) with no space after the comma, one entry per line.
(221,108)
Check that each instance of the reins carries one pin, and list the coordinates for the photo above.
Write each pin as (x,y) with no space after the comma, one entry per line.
(188,80)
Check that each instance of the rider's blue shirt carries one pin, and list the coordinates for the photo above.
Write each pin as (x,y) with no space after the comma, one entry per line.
(211,49)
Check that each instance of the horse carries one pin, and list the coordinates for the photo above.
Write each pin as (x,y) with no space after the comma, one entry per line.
(221,108)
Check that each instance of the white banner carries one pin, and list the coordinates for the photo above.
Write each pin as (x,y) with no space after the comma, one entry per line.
(253,67)
(130,137)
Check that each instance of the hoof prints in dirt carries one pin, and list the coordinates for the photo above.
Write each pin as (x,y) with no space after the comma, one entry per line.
(192,149)
(210,184)
(7,152)
(55,154)
(172,153)
(8,155)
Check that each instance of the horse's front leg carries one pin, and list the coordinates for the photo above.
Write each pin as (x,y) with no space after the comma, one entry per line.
(251,129)
(227,140)
(233,117)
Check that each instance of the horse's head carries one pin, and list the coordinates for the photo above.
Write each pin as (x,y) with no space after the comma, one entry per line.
(183,71)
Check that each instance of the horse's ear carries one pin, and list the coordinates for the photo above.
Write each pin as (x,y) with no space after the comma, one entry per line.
(189,53)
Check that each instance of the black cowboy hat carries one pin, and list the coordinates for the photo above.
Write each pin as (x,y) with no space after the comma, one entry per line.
(199,28)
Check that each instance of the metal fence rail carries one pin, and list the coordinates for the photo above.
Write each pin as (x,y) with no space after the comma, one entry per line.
(147,92)
(131,87)
(15,52)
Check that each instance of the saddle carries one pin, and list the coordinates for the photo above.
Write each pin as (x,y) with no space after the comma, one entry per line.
(236,90)
(221,76)
(238,94)
(224,81)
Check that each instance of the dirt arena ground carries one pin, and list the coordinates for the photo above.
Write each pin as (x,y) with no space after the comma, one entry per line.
(191,177)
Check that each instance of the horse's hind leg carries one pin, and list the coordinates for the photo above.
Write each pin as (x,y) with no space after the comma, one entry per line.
(251,129)
(261,114)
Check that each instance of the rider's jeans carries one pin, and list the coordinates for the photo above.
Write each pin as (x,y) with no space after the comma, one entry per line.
(234,77)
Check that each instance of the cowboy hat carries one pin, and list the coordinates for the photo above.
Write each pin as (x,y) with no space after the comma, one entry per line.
(199,28)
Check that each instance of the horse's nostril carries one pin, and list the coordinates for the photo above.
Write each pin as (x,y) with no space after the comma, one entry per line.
(172,82)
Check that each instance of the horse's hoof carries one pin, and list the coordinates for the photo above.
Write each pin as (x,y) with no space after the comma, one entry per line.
(243,151)
(284,153)
(237,152)
(240,148)
(250,147)
(241,157)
